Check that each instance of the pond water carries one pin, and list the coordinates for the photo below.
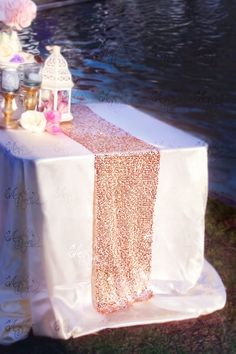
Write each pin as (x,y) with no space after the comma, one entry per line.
(174,58)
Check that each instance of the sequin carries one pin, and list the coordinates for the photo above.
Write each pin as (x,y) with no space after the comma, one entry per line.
(126,178)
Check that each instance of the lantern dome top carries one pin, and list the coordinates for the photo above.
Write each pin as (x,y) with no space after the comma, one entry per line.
(55,73)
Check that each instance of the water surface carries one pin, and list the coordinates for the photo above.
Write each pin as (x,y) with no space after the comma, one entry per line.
(174,58)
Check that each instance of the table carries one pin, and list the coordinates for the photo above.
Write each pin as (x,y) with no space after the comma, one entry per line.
(72,257)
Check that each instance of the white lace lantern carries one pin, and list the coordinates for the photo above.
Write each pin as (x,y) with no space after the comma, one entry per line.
(55,93)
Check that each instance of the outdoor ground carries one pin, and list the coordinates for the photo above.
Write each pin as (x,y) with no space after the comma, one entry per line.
(215,333)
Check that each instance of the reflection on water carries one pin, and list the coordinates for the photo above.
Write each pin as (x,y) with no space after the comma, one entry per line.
(175,58)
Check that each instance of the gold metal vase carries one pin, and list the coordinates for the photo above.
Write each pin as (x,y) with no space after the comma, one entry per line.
(7,122)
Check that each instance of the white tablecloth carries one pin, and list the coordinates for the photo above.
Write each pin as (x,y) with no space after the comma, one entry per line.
(46,228)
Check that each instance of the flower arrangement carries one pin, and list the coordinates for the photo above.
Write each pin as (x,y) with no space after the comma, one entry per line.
(17,14)
(38,122)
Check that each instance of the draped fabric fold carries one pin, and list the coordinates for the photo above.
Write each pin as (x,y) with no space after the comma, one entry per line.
(126,178)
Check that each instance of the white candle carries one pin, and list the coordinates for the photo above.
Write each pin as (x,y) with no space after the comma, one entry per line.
(35,78)
(32,74)
(10,80)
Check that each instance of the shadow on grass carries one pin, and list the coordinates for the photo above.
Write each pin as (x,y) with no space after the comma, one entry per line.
(215,333)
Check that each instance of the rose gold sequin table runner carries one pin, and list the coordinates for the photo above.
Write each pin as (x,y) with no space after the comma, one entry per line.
(126,178)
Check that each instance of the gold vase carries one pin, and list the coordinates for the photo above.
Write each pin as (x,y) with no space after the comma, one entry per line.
(31,95)
(7,122)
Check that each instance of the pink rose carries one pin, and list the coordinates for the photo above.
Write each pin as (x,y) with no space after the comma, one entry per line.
(17,13)
(53,122)
(53,116)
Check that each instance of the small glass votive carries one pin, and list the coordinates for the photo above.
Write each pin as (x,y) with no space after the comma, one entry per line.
(31,81)
(10,80)
(32,75)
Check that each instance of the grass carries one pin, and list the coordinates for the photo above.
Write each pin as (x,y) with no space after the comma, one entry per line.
(215,333)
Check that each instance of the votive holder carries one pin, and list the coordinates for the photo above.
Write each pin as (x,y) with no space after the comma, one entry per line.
(31,81)
(10,84)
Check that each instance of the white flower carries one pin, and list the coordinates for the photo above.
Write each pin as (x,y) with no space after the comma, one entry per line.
(33,121)
(9,44)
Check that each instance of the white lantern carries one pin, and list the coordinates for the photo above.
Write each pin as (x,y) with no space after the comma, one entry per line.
(55,92)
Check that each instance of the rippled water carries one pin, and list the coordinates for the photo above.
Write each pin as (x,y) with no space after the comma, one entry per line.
(175,58)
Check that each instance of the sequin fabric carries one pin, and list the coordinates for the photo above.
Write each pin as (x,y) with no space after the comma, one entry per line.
(126,179)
